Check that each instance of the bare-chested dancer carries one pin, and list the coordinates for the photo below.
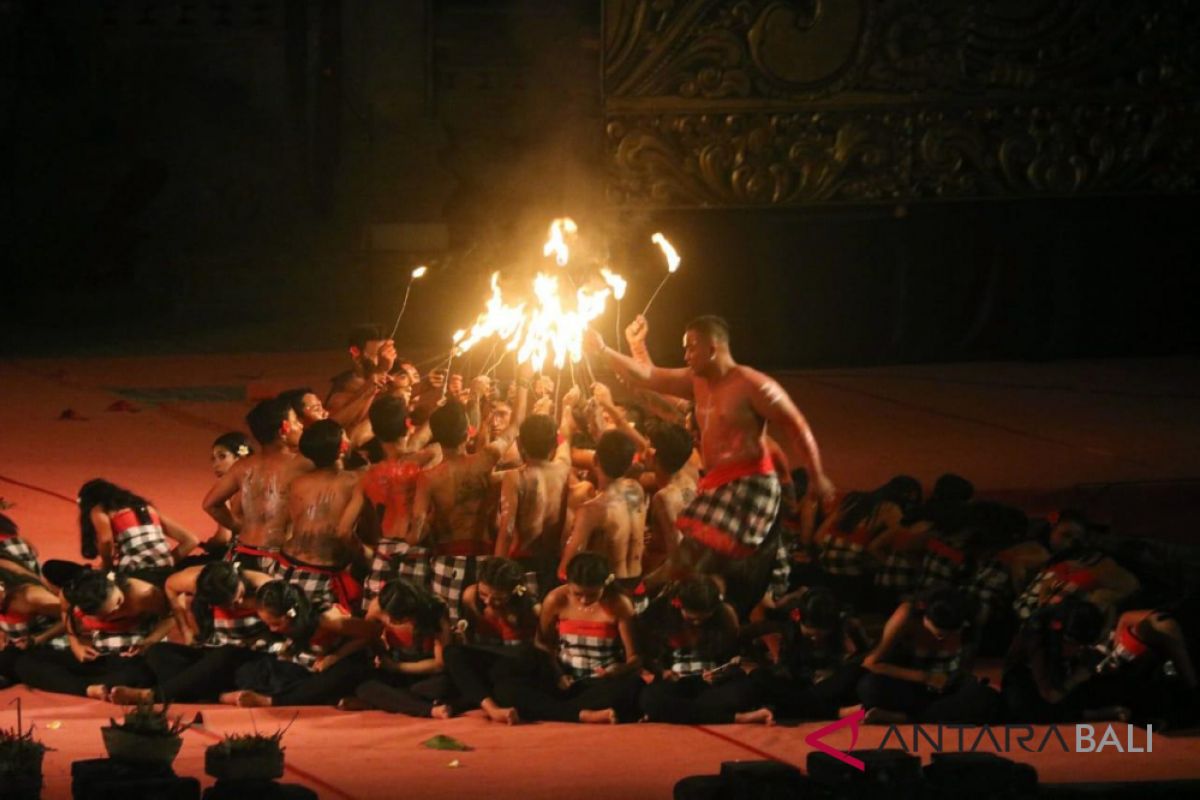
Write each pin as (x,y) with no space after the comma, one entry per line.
(323,509)
(454,496)
(739,495)
(613,523)
(350,398)
(675,475)
(533,503)
(263,480)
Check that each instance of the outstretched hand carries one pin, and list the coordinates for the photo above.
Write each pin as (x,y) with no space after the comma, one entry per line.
(635,332)
(593,342)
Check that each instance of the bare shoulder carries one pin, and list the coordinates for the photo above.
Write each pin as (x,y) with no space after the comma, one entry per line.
(555,599)
(620,606)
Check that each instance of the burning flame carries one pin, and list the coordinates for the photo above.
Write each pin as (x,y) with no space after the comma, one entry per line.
(557,243)
(614,280)
(419,272)
(668,251)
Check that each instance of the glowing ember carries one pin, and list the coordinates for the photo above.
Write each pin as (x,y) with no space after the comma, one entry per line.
(614,280)
(668,251)
(557,243)
(419,272)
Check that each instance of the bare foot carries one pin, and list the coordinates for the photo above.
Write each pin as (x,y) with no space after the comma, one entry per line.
(97,691)
(245,699)
(496,713)
(881,716)
(352,703)
(128,696)
(440,712)
(603,716)
(759,716)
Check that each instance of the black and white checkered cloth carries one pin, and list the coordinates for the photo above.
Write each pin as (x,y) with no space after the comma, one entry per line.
(238,629)
(17,550)
(19,629)
(324,587)
(109,637)
(938,570)
(582,653)
(395,558)
(259,559)
(685,661)
(735,517)
(843,555)
(449,576)
(943,662)
(991,586)
(899,571)
(140,546)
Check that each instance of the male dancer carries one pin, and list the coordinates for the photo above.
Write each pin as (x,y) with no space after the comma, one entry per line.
(263,479)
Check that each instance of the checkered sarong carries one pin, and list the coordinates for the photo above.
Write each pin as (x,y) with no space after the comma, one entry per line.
(685,661)
(259,559)
(991,586)
(943,662)
(844,554)
(1072,578)
(323,586)
(781,572)
(110,637)
(734,508)
(241,628)
(585,646)
(449,575)
(139,541)
(17,550)
(395,558)
(943,565)
(899,571)
(20,628)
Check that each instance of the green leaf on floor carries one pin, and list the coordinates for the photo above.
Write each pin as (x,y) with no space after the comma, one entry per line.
(441,742)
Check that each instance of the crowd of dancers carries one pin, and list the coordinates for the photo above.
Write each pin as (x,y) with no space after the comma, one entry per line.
(429,546)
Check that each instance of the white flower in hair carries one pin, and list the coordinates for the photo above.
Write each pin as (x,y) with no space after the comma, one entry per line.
(110,575)
(520,590)
(609,580)
(291,613)
(243,451)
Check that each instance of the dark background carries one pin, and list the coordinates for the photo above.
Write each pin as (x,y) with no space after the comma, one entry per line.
(208,176)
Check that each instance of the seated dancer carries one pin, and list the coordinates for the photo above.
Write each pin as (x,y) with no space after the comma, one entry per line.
(899,549)
(454,495)
(30,616)
(1151,656)
(920,670)
(1050,671)
(19,553)
(739,496)
(585,666)
(226,451)
(501,615)
(614,521)
(219,631)
(350,398)
(126,531)
(845,538)
(675,477)
(319,661)
(390,486)
(261,481)
(691,637)
(1076,568)
(110,619)
(323,507)
(534,502)
(409,676)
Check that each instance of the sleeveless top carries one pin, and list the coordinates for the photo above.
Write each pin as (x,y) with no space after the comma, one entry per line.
(587,645)
(138,540)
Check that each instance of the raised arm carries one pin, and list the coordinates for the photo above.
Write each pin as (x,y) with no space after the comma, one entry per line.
(677,382)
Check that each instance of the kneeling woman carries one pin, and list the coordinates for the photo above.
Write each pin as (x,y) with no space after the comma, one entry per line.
(110,620)
(319,661)
(410,671)
(920,670)
(220,634)
(502,619)
(126,532)
(585,667)
(30,616)
(689,635)
(820,660)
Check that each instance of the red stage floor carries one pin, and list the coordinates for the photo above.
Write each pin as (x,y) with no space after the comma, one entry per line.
(1110,434)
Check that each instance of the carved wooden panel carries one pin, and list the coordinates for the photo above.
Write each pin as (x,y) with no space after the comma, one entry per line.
(766,102)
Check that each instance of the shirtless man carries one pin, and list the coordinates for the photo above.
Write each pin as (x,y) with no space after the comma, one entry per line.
(675,476)
(323,509)
(390,487)
(350,399)
(454,496)
(613,523)
(533,503)
(263,480)
(739,496)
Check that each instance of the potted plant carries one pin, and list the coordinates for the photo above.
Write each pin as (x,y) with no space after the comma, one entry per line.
(20,761)
(246,757)
(146,736)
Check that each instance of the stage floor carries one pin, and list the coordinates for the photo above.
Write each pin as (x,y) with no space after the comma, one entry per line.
(1111,434)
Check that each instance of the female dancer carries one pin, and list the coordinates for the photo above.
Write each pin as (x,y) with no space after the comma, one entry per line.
(318,661)
(502,617)
(110,619)
(409,677)
(126,531)
(819,663)
(586,666)
(30,616)
(920,668)
(219,629)
(227,450)
(692,633)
